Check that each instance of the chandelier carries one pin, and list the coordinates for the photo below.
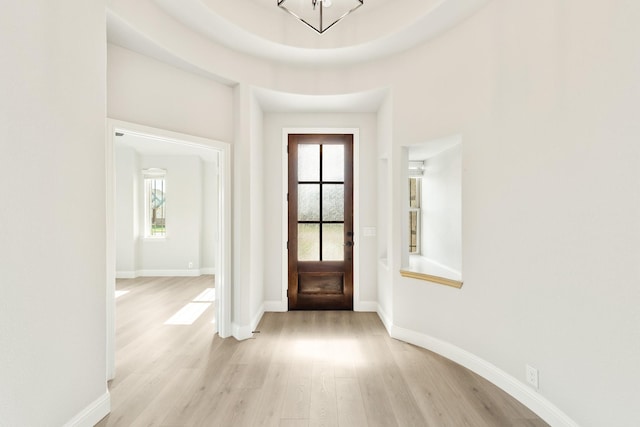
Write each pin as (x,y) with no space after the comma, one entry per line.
(320,14)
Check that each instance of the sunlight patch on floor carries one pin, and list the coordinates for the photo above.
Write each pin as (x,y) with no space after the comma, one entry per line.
(188,314)
(120,293)
(325,350)
(208,295)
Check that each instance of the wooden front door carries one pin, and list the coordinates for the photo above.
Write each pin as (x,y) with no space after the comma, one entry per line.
(320,222)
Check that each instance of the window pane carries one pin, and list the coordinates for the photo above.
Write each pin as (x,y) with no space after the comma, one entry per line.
(414,193)
(333,162)
(333,202)
(308,202)
(308,162)
(308,242)
(156,205)
(332,242)
(413,232)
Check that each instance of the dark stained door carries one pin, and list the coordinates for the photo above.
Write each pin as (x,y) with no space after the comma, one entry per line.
(320,222)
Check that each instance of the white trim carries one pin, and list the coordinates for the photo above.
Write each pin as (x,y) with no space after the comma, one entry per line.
(356,219)
(223,246)
(241,332)
(520,391)
(386,320)
(276,306)
(168,273)
(223,249)
(257,318)
(110,248)
(369,306)
(165,273)
(356,205)
(285,218)
(126,274)
(92,414)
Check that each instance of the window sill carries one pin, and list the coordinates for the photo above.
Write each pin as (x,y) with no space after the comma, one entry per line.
(422,268)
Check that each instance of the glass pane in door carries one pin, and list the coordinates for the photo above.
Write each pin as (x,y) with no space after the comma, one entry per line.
(333,202)
(308,162)
(332,242)
(333,163)
(308,202)
(308,242)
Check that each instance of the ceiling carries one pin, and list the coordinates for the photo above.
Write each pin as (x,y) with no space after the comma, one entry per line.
(259,28)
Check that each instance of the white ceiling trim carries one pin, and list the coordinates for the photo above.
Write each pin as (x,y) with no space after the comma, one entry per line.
(272,101)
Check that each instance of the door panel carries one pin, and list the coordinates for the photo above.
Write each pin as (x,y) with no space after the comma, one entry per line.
(320,222)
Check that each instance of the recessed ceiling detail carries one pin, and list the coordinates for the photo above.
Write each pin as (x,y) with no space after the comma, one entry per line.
(260,29)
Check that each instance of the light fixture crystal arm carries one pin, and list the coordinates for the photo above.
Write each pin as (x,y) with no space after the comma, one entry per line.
(315,15)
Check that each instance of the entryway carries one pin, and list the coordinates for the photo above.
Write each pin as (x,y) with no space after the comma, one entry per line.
(320,222)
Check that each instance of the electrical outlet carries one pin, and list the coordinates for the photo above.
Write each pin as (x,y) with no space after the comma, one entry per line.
(190,265)
(532,376)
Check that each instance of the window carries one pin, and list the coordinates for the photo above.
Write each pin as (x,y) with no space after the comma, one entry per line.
(155,203)
(415,202)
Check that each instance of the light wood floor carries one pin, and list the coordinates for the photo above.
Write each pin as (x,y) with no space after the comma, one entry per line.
(302,369)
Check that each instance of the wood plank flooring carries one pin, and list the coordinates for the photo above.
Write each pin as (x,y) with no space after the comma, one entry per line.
(303,369)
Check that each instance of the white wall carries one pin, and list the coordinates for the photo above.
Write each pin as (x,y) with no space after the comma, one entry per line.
(127,210)
(384,212)
(441,213)
(550,201)
(247,270)
(274,123)
(148,92)
(52,238)
(256,170)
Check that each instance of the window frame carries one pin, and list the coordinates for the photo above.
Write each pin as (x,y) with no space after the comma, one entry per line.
(417,210)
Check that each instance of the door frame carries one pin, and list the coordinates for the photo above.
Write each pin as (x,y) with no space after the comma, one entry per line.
(284,306)
(223,244)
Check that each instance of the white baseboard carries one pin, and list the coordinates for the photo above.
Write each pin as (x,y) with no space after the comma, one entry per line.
(276,306)
(93,413)
(163,273)
(257,317)
(520,391)
(386,320)
(126,275)
(245,332)
(241,333)
(168,273)
(370,306)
